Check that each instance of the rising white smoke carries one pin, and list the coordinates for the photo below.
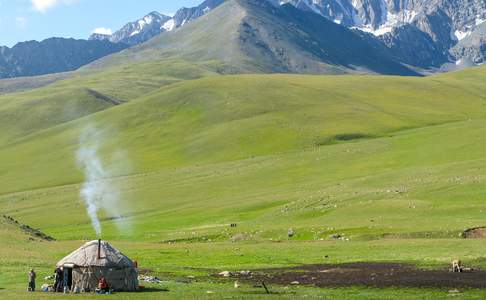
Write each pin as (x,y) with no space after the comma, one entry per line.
(99,191)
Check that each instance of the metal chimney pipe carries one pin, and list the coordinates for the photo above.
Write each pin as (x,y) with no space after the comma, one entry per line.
(99,249)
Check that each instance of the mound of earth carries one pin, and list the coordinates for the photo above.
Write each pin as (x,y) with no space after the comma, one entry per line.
(475,233)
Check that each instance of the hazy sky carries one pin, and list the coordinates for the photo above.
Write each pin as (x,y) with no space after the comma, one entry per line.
(22,20)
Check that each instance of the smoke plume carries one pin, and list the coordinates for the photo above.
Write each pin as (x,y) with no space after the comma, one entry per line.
(99,191)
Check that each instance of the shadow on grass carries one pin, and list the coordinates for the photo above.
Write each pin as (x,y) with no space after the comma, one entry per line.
(152,290)
(265,293)
(260,290)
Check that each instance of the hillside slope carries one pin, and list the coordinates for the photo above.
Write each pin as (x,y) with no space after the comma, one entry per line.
(219,119)
(269,152)
(25,110)
(20,84)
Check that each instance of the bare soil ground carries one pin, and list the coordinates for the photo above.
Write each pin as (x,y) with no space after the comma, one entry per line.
(369,274)
(475,233)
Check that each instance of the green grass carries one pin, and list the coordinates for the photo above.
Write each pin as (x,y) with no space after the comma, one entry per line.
(27,83)
(220,119)
(33,110)
(394,164)
(175,262)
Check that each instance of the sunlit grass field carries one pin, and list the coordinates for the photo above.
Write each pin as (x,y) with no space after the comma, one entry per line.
(393,165)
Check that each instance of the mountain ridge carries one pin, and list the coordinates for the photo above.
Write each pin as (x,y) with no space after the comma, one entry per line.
(52,55)
(138,31)
(255,36)
(421,33)
(426,36)
(445,23)
(155,23)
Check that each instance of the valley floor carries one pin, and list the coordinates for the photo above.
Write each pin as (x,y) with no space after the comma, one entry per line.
(188,271)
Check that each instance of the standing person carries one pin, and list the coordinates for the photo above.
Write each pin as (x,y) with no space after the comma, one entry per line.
(32,276)
(58,284)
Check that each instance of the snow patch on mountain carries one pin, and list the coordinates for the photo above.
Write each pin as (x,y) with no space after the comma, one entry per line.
(169,25)
(392,20)
(479,20)
(460,35)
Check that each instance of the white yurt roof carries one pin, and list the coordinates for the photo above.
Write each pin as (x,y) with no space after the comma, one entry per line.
(87,256)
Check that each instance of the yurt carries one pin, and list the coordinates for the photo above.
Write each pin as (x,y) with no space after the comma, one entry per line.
(83,268)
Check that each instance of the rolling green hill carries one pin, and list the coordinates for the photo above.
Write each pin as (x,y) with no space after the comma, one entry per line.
(394,164)
(232,122)
(26,83)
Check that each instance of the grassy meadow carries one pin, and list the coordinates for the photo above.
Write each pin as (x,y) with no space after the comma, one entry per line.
(395,166)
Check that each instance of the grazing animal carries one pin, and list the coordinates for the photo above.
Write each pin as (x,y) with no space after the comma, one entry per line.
(456,266)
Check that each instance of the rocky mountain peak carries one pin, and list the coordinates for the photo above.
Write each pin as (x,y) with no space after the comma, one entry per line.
(438,25)
(155,23)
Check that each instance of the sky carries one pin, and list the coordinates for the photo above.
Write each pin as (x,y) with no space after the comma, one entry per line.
(23,20)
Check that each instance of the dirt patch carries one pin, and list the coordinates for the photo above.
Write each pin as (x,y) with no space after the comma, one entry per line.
(475,233)
(368,274)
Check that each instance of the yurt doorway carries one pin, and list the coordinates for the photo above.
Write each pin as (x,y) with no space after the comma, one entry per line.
(67,271)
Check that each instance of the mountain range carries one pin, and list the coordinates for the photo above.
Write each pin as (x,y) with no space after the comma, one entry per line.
(252,36)
(422,33)
(52,55)
(156,23)
(403,37)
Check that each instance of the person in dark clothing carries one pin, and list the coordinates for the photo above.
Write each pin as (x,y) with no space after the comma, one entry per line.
(58,283)
(32,276)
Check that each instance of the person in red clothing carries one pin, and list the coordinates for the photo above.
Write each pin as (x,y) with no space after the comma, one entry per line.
(103,285)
